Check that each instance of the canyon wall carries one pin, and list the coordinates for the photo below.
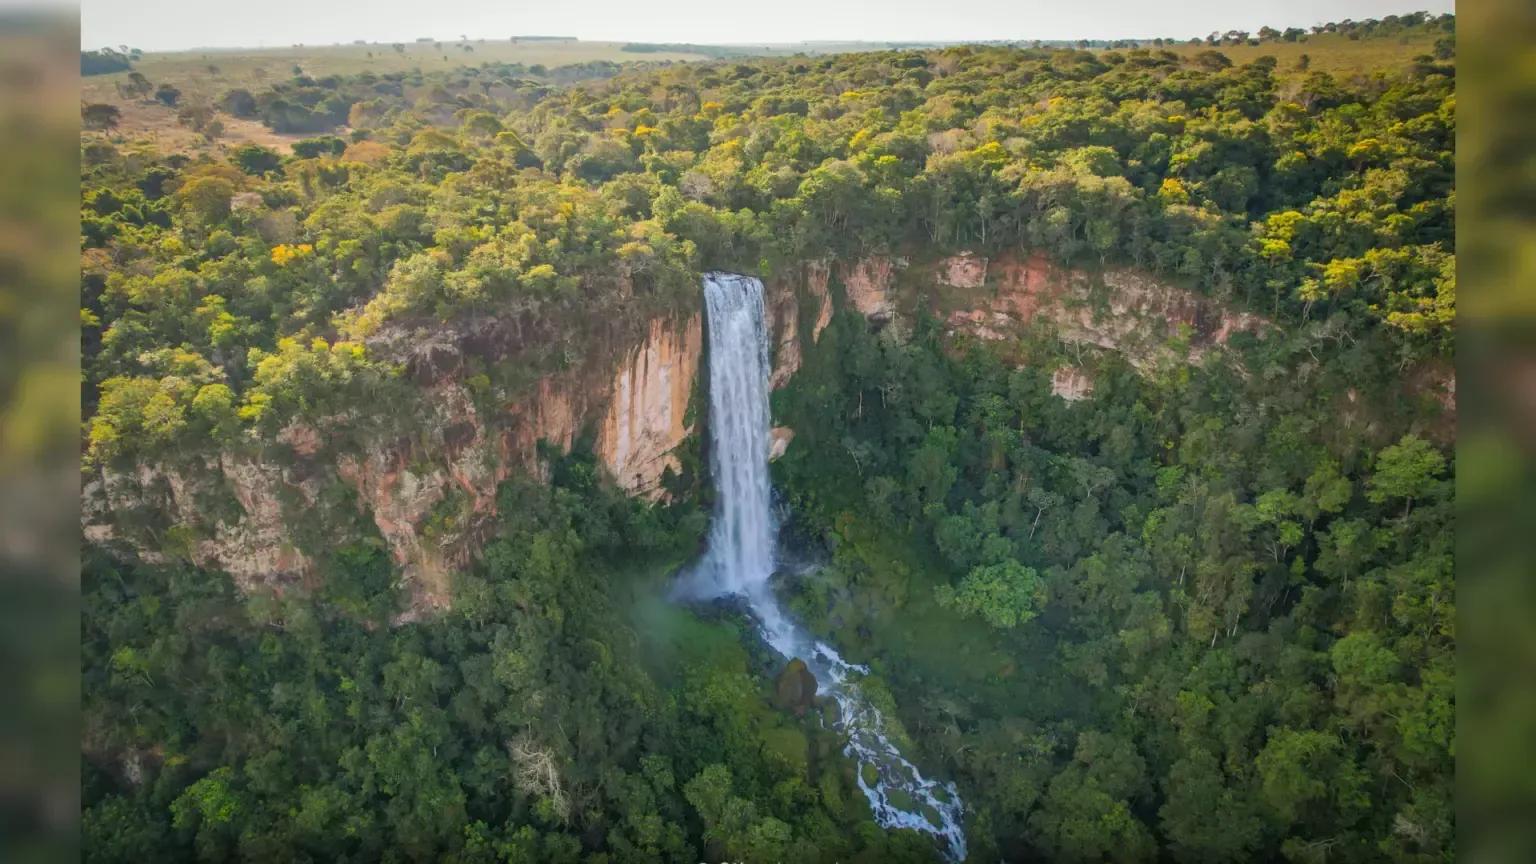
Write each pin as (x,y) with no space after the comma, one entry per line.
(428,486)
(1120,310)
(1148,322)
(647,417)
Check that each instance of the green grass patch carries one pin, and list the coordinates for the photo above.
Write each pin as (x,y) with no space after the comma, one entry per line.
(673,639)
(899,799)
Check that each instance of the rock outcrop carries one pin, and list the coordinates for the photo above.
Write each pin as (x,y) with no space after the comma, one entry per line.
(963,271)
(868,283)
(778,441)
(817,276)
(1071,384)
(1120,310)
(430,494)
(647,413)
(795,688)
(783,320)
(226,513)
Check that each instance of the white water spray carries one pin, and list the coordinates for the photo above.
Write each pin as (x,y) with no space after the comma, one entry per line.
(740,560)
(740,553)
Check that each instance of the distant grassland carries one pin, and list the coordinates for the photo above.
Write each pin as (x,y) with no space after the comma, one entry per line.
(254,68)
(1333,53)
(211,72)
(205,75)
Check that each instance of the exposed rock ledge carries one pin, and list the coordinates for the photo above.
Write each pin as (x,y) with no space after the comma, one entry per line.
(646,419)
(779,439)
(453,471)
(1121,310)
(1071,384)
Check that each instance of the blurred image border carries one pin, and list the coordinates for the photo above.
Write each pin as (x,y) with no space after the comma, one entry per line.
(1496,445)
(39,432)
(40,440)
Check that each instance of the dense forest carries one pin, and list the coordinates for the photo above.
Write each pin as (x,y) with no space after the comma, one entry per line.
(1206,614)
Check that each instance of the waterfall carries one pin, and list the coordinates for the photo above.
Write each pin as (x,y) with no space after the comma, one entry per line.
(741,552)
(740,556)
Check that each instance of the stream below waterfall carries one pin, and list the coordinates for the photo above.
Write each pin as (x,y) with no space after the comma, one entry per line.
(741,556)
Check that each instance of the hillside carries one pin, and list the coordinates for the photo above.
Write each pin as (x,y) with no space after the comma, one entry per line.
(1111,413)
(203,77)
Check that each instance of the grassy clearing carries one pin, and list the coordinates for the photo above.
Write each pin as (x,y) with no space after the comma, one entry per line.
(153,125)
(213,71)
(1328,52)
(204,76)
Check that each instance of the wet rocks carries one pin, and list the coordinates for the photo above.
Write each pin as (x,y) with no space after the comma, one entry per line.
(795,688)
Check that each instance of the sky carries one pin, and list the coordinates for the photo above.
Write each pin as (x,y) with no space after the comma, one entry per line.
(169,25)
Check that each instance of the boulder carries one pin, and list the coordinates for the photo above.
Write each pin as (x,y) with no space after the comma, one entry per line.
(795,688)
(778,441)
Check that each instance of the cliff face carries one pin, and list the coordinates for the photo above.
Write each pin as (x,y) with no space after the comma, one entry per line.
(781,308)
(868,284)
(1118,310)
(428,487)
(647,412)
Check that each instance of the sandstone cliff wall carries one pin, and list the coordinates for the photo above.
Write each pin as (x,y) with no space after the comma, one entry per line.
(1119,310)
(429,490)
(647,418)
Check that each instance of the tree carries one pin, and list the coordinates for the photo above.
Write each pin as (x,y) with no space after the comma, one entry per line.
(99,116)
(118,828)
(207,802)
(311,148)
(136,414)
(1079,821)
(137,86)
(1208,817)
(214,408)
(167,95)
(482,124)
(1004,595)
(207,198)
(256,160)
(1404,470)
(103,62)
(1300,767)
(1085,815)
(1212,61)
(238,103)
(195,116)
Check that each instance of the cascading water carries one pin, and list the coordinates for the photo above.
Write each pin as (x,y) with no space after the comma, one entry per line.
(741,552)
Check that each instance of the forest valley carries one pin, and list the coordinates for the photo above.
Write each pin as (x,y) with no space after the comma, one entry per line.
(1198,610)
